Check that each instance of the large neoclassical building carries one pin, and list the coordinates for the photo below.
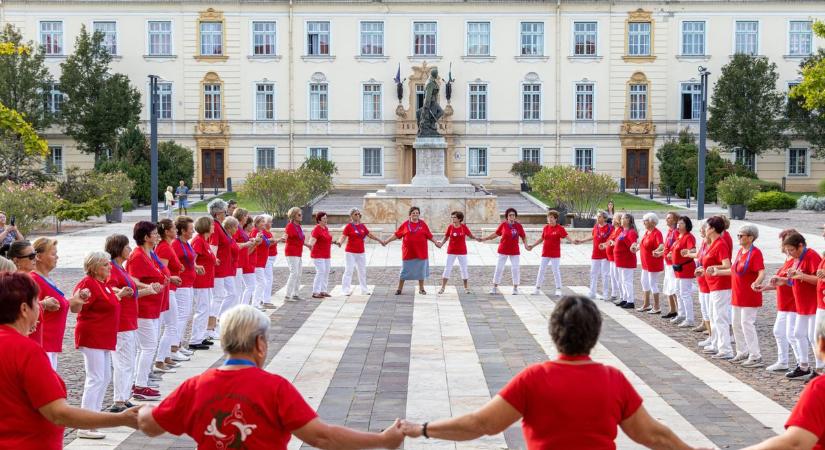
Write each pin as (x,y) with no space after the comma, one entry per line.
(249,84)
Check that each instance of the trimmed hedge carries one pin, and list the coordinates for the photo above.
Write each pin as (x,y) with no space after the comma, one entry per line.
(769,186)
(767,201)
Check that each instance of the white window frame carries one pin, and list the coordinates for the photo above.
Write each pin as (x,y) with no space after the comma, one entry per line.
(698,101)
(371,32)
(212,34)
(61,34)
(149,37)
(576,100)
(412,41)
(256,158)
(810,37)
(592,149)
(641,114)
(532,147)
(328,154)
(253,33)
(171,100)
(216,114)
(542,41)
(274,100)
(53,93)
(641,37)
(329,39)
(704,37)
(807,172)
(755,160)
(50,161)
(486,107)
(380,93)
(486,149)
(309,101)
(380,173)
(541,100)
(758,35)
(114,45)
(574,33)
(467,47)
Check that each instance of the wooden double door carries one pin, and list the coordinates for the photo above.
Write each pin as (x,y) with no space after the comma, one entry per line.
(212,162)
(637,167)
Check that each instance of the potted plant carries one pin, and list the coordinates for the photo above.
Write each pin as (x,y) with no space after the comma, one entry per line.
(525,170)
(736,192)
(116,188)
(581,192)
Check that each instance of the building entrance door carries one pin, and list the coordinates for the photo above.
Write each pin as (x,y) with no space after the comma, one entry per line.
(212,167)
(636,172)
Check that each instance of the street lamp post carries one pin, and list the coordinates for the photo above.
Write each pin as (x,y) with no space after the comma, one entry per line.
(153,142)
(703,129)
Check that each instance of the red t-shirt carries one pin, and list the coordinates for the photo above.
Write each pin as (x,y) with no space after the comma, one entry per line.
(670,239)
(261,254)
(52,325)
(216,407)
(27,383)
(457,244)
(241,237)
(223,241)
(784,294)
(600,235)
(744,270)
(651,241)
(557,412)
(186,255)
(729,241)
(356,234)
(165,251)
(271,250)
(683,242)
(805,293)
(510,235)
(820,286)
(141,266)
(97,322)
(204,257)
(413,239)
(321,249)
(809,412)
(621,253)
(610,249)
(551,248)
(715,254)
(701,281)
(118,278)
(294,240)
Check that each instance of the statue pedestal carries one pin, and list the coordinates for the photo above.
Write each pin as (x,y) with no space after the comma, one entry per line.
(429,161)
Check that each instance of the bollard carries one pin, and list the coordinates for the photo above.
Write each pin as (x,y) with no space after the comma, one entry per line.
(635,186)
(783,184)
(216,190)
(650,191)
(667,194)
(621,185)
(229,184)
(687,198)
(201,187)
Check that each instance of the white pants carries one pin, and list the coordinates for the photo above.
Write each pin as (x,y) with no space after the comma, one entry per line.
(358,262)
(804,335)
(293,283)
(514,269)
(744,331)
(720,316)
(53,359)
(628,289)
(200,318)
(321,281)
(98,365)
(147,338)
(670,287)
(650,281)
(554,265)
(260,287)
(169,321)
(124,364)
(704,306)
(599,270)
(615,281)
(184,297)
(462,264)
(245,283)
(783,333)
(222,293)
(820,316)
(231,297)
(268,274)
(685,303)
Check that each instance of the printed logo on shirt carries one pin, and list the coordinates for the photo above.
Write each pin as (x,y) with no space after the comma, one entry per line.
(229,429)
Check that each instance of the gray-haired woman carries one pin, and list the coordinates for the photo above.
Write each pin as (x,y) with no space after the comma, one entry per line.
(354,235)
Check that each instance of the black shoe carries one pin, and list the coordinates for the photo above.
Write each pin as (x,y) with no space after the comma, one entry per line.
(629,306)
(669,315)
(130,404)
(621,304)
(207,342)
(798,373)
(115,408)
(810,377)
(198,347)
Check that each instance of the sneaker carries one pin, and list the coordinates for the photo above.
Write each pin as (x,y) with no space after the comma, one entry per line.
(621,304)
(710,350)
(515,290)
(493,290)
(629,306)
(643,308)
(298,297)
(725,356)
(290,299)
(366,293)
(655,311)
(115,408)
(704,343)
(777,367)
(207,341)
(797,373)
(740,357)
(179,356)
(269,305)
(185,352)
(558,292)
(90,434)
(699,328)
(669,315)
(810,377)
(686,324)
(536,291)
(164,369)
(130,404)
(677,319)
(155,376)
(145,393)
(753,363)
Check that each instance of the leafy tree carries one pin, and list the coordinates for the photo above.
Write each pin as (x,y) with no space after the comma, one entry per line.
(324,166)
(277,190)
(812,88)
(99,104)
(747,111)
(580,192)
(809,123)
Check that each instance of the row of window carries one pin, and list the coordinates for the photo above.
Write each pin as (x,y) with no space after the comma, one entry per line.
(425,38)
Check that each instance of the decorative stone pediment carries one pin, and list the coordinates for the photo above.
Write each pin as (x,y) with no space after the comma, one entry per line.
(210,15)
(213,127)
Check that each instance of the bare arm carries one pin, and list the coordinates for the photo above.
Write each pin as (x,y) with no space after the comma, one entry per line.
(492,418)
(322,435)
(59,412)
(146,422)
(490,236)
(794,438)
(649,432)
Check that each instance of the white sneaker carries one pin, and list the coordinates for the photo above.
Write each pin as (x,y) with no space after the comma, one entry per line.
(677,319)
(90,434)
(710,350)
(172,364)
(366,293)
(536,291)
(686,324)
(740,357)
(291,299)
(704,343)
(349,292)
(558,292)
(515,291)
(164,369)
(185,351)
(777,367)
(493,290)
(601,297)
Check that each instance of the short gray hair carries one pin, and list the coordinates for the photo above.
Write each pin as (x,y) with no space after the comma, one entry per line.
(6,265)
(602,213)
(94,260)
(240,327)
(651,217)
(749,230)
(230,222)
(216,205)
(353,211)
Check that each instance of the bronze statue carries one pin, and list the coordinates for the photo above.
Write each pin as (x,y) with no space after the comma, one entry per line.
(430,112)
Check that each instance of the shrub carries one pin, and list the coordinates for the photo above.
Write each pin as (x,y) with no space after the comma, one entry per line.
(278,190)
(811,203)
(580,192)
(768,186)
(28,203)
(116,188)
(767,201)
(324,166)
(736,190)
(525,169)
(821,187)
(80,212)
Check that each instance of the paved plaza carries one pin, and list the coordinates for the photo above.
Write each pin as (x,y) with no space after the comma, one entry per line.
(364,360)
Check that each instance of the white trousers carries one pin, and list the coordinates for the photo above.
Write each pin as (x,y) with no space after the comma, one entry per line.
(670,287)
(704,305)
(260,287)
(53,359)
(223,292)
(169,321)
(268,274)
(615,281)
(321,281)
(820,316)
(650,281)
(147,339)
(124,364)
(685,301)
(515,271)
(357,262)
(98,365)
(231,297)
(744,331)
(804,335)
(462,264)
(245,284)
(783,334)
(184,297)
(599,270)
(200,318)
(554,265)
(720,316)
(628,289)
(293,283)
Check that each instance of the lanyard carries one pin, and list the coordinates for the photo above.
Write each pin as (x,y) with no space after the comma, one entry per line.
(622,235)
(126,277)
(409,227)
(50,283)
(671,237)
(701,254)
(747,261)
(187,251)
(357,230)
(563,357)
(266,241)
(239,362)
(799,263)
(157,260)
(299,230)
(603,236)
(513,230)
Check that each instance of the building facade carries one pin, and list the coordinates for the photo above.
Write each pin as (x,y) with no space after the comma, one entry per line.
(261,84)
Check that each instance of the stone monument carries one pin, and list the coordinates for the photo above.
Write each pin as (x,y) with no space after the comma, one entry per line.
(430,189)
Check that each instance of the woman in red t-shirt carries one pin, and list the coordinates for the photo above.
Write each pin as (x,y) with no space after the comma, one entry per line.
(95,334)
(415,262)
(551,236)
(456,236)
(169,340)
(684,271)
(32,394)
(221,243)
(271,257)
(204,282)
(267,246)
(625,246)
(355,235)
(589,418)
(245,272)
(320,243)
(716,257)
(708,344)
(615,281)
(670,286)
(294,248)
(185,292)
(652,265)
(510,231)
(747,273)
(599,264)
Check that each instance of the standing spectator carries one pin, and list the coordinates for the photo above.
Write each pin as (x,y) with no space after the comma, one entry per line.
(168,356)
(320,243)
(670,287)
(653,264)
(221,243)
(182,193)
(624,252)
(415,262)
(231,206)
(354,235)
(611,213)
(551,235)
(716,256)
(204,282)
(456,234)
(185,293)
(510,231)
(599,264)
(684,271)
(169,201)
(615,281)
(8,232)
(294,248)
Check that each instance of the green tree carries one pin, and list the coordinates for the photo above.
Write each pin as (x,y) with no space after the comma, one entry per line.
(809,123)
(812,88)
(747,111)
(99,104)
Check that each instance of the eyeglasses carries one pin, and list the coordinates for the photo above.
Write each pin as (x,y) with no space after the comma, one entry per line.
(742,235)
(31,256)
(356,214)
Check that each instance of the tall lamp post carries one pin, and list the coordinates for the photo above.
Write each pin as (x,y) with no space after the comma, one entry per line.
(153,143)
(703,129)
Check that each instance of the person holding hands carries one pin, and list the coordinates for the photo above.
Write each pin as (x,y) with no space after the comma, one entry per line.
(456,236)
(510,231)
(551,236)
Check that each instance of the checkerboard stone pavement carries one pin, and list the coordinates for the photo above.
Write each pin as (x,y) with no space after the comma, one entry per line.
(362,361)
